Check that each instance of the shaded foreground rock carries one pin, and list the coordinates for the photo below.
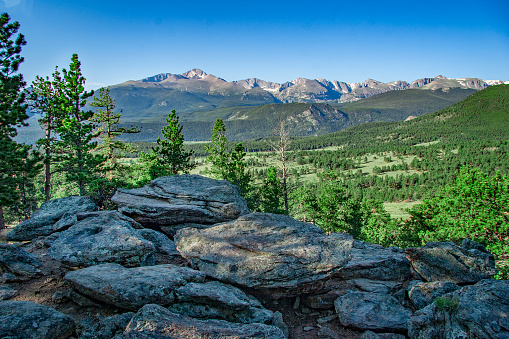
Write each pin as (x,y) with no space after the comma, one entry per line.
(154,321)
(103,237)
(422,294)
(23,319)
(53,216)
(162,243)
(477,311)
(17,264)
(215,300)
(181,199)
(131,288)
(106,328)
(266,251)
(445,261)
(375,262)
(372,311)
(373,335)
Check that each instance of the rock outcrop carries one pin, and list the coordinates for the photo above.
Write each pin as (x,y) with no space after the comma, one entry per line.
(101,238)
(266,252)
(423,293)
(476,311)
(22,319)
(171,201)
(445,261)
(53,216)
(17,264)
(215,300)
(239,264)
(372,311)
(132,288)
(154,321)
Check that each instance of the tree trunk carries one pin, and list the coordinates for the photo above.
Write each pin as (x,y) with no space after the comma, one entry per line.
(2,219)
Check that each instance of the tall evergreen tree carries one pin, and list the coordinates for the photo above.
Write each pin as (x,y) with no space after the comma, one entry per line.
(44,99)
(271,193)
(218,151)
(76,130)
(169,157)
(12,112)
(109,130)
(236,170)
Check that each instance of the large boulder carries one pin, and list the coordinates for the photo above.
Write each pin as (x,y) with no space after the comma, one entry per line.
(372,311)
(162,243)
(104,328)
(154,321)
(131,288)
(445,261)
(216,300)
(53,216)
(424,293)
(28,320)
(101,238)
(17,264)
(182,199)
(266,251)
(375,262)
(476,311)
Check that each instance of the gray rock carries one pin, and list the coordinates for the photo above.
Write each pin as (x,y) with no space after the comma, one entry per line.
(372,311)
(28,320)
(375,262)
(215,300)
(131,288)
(473,245)
(373,335)
(154,321)
(422,294)
(267,252)
(339,288)
(101,238)
(161,242)
(476,311)
(17,264)
(113,214)
(182,199)
(105,328)
(7,292)
(53,216)
(445,261)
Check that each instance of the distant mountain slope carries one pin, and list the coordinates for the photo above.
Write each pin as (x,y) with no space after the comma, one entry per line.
(244,123)
(483,116)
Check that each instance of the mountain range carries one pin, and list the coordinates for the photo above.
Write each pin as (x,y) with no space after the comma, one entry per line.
(196,85)
(251,107)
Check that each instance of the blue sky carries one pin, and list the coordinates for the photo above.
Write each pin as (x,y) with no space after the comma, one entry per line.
(275,41)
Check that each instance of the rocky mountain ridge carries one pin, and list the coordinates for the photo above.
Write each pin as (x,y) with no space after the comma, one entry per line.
(301,89)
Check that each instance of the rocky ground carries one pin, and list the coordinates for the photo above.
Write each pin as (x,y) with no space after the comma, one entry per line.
(50,289)
(184,258)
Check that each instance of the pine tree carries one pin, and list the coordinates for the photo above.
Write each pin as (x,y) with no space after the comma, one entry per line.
(218,151)
(12,112)
(44,99)
(169,157)
(236,170)
(109,130)
(76,130)
(271,193)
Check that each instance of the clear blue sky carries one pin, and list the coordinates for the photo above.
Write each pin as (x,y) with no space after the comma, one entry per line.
(272,40)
